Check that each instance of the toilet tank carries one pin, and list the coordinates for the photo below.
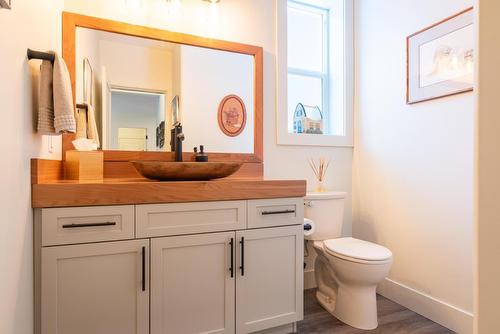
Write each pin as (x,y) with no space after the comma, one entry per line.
(326,210)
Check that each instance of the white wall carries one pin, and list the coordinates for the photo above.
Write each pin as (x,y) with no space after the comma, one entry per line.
(250,22)
(137,66)
(33,24)
(413,166)
(487,227)
(207,76)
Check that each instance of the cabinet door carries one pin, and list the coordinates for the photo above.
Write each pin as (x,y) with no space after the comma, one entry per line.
(192,288)
(269,285)
(98,288)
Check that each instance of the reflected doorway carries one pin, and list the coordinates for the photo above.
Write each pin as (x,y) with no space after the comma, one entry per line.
(136,121)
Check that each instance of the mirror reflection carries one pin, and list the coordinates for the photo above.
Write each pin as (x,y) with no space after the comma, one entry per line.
(140,89)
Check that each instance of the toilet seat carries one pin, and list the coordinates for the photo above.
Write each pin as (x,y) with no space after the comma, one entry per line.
(357,250)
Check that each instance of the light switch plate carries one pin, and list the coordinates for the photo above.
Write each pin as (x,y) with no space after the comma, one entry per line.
(6,4)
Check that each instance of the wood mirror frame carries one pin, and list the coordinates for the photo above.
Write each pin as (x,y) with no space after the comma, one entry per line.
(117,163)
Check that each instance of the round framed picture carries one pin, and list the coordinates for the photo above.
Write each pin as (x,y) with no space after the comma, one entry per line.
(232,115)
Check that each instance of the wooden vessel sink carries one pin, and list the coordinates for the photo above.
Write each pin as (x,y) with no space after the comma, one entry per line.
(185,171)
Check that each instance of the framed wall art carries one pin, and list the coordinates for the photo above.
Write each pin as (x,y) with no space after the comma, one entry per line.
(6,4)
(440,59)
(232,115)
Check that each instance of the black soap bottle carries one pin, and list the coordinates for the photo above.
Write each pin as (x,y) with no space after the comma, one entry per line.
(201,156)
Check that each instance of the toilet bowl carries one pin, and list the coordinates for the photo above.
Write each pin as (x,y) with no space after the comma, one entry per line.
(347,270)
(347,284)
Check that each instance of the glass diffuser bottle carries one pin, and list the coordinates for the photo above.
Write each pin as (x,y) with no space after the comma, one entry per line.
(319,170)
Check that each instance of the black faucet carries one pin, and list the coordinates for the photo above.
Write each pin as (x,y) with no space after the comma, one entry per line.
(176,138)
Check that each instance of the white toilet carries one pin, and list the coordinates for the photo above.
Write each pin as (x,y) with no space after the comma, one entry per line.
(347,270)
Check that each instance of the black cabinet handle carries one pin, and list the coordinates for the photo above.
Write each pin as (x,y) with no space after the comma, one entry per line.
(231,268)
(242,266)
(143,268)
(89,225)
(281,212)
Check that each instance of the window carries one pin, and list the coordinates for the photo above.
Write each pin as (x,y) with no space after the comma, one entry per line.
(315,72)
(307,59)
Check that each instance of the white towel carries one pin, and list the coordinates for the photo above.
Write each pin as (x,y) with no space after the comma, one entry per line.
(55,98)
(81,123)
(46,100)
(92,126)
(64,117)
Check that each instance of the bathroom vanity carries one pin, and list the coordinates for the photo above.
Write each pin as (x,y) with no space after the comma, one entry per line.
(132,255)
(192,267)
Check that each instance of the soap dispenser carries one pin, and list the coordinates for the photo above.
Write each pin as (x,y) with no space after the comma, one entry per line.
(201,156)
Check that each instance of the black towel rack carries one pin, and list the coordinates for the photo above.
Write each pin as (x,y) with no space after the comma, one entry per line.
(32,54)
(83,106)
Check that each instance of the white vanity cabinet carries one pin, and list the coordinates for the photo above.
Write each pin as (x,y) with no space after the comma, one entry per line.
(192,288)
(96,288)
(269,281)
(235,268)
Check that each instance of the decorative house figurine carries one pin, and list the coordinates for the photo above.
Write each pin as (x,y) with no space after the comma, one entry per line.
(304,122)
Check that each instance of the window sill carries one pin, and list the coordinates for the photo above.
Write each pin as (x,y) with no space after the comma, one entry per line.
(314,140)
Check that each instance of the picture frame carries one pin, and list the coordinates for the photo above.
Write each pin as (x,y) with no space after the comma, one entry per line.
(7,4)
(88,82)
(176,116)
(440,59)
(232,115)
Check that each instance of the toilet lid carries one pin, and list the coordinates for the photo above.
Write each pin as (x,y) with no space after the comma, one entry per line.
(357,249)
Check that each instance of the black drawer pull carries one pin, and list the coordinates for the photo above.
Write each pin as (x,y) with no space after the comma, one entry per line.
(281,212)
(89,225)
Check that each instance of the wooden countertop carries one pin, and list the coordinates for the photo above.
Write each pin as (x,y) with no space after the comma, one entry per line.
(142,191)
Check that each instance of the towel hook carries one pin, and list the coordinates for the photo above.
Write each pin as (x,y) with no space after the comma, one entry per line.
(32,54)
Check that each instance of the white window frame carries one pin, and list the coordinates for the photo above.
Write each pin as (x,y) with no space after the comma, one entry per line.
(340,97)
(324,74)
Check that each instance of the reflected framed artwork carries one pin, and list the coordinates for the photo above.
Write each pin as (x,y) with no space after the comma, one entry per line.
(7,4)
(232,115)
(440,59)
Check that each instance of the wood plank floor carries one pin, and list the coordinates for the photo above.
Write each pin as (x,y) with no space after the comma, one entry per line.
(392,317)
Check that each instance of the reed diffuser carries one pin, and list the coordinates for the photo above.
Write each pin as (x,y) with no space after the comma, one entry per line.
(319,170)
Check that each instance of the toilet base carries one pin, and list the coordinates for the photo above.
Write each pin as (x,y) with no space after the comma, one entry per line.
(327,302)
(356,307)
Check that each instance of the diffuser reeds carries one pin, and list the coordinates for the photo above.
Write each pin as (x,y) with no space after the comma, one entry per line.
(319,170)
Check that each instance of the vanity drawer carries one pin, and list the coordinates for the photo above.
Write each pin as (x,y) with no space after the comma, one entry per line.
(155,220)
(87,224)
(275,212)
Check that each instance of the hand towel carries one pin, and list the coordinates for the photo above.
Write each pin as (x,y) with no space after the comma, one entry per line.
(81,123)
(92,126)
(64,118)
(45,100)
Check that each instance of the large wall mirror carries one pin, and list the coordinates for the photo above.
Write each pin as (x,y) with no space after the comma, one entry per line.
(140,82)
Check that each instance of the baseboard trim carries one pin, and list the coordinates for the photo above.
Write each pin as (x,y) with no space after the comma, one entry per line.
(450,316)
(309,279)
